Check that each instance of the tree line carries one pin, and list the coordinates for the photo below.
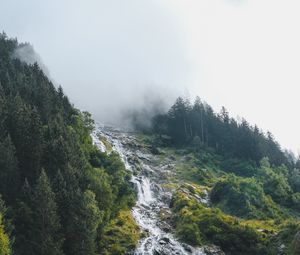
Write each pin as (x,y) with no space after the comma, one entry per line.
(198,125)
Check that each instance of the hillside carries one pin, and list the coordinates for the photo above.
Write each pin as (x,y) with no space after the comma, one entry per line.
(195,183)
(252,184)
(59,193)
(188,204)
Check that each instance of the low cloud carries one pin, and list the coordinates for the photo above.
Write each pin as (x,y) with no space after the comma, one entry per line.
(26,53)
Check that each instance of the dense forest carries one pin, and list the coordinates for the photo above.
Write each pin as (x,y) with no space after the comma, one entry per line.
(59,194)
(197,124)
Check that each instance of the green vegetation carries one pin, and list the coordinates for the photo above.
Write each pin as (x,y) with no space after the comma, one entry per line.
(4,240)
(120,235)
(288,239)
(199,225)
(61,193)
(106,143)
(199,126)
(253,185)
(244,197)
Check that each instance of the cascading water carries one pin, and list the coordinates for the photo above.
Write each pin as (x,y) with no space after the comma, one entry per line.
(158,239)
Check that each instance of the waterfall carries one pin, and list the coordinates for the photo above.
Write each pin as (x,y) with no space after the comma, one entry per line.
(157,240)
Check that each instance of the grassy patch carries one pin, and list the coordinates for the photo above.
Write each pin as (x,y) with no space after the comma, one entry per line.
(120,235)
(198,225)
(106,143)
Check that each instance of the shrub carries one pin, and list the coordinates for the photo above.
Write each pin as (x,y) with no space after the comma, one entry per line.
(198,225)
(243,197)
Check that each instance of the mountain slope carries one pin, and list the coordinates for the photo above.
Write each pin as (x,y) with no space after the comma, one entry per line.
(60,192)
(252,184)
(205,183)
(184,193)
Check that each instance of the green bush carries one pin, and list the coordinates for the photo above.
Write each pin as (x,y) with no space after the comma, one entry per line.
(4,240)
(198,225)
(120,235)
(296,201)
(274,181)
(239,167)
(243,197)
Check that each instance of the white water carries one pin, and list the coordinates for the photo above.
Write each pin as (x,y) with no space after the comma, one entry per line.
(159,239)
(98,142)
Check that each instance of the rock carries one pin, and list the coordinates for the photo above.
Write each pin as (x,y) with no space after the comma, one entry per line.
(167,197)
(188,158)
(165,239)
(154,150)
(162,242)
(156,188)
(213,250)
(281,249)
(146,206)
(187,247)
(155,252)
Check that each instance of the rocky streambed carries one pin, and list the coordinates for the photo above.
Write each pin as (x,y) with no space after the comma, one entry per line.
(151,212)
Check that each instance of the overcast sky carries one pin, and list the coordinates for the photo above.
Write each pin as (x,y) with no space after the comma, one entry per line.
(108,54)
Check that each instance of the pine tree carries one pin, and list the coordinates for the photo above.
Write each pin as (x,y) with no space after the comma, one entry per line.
(24,222)
(9,174)
(46,228)
(85,218)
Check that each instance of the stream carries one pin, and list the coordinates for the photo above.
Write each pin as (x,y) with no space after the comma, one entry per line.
(148,175)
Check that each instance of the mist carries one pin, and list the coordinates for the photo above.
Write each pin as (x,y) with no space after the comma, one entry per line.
(110,57)
(26,53)
(118,57)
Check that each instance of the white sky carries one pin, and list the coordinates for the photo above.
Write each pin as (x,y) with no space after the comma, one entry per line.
(243,54)
(247,57)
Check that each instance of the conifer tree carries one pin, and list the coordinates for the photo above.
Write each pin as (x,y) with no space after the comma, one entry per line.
(46,226)
(85,217)
(9,174)
(24,222)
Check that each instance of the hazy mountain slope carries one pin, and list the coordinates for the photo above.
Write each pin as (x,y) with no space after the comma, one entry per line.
(60,192)
(205,183)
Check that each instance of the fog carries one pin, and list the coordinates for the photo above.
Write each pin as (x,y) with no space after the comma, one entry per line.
(109,56)
(114,57)
(26,53)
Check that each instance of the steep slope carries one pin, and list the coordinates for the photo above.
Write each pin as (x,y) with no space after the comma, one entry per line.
(61,194)
(153,200)
(205,183)
(253,185)
(189,205)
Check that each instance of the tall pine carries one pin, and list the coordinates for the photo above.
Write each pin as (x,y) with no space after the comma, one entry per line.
(46,228)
